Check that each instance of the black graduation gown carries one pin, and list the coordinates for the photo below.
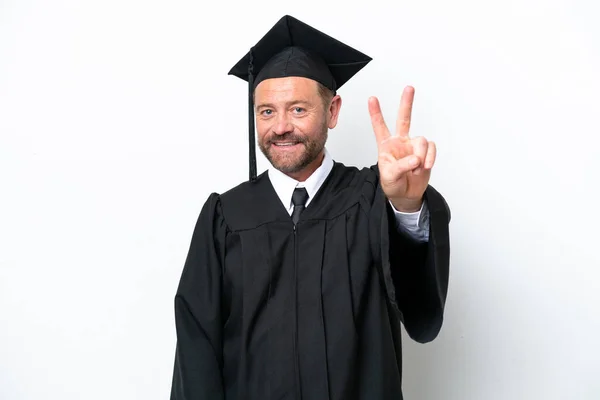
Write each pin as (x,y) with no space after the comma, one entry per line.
(265,310)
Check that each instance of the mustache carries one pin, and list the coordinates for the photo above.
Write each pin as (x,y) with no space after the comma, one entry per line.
(288,137)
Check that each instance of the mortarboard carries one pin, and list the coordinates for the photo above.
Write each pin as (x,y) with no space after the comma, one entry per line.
(293,48)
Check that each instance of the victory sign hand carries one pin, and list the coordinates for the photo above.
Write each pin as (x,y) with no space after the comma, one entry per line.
(405,163)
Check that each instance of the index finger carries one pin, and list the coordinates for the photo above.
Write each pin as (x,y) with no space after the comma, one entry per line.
(405,111)
(379,127)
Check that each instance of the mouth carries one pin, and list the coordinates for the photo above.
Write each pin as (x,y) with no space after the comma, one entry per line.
(285,144)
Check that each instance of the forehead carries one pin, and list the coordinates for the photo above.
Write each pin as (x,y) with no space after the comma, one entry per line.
(286,89)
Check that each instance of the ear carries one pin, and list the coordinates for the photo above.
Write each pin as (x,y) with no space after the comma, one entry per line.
(334,111)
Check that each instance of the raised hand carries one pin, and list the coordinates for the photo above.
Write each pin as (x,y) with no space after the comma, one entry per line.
(405,163)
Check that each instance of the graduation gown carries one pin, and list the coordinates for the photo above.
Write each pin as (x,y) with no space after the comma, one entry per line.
(268,310)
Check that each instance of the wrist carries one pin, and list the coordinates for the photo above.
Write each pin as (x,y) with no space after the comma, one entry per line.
(407,205)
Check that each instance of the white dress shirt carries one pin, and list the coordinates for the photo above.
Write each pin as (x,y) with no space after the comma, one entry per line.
(415,224)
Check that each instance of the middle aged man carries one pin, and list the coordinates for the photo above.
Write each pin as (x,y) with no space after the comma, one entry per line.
(297,281)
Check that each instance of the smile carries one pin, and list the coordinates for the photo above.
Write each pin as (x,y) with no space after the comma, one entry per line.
(285,144)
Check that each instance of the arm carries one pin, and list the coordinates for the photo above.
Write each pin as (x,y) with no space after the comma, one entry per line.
(415,272)
(198,356)
(420,269)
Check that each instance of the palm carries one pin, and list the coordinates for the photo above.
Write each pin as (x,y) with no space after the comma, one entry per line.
(405,185)
(404,163)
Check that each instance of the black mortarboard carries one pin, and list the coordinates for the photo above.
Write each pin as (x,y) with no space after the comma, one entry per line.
(293,48)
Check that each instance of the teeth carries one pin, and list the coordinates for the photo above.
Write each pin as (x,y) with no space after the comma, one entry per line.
(284,144)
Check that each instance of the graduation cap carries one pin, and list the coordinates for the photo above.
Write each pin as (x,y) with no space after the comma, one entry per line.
(293,48)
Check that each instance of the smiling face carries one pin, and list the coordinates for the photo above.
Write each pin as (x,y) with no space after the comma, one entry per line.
(292,121)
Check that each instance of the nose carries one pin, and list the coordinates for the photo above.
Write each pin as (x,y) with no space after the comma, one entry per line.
(282,125)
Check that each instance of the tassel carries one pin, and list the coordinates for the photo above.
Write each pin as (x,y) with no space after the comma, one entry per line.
(251,118)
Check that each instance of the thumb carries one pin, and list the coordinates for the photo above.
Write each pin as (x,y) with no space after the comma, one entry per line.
(404,165)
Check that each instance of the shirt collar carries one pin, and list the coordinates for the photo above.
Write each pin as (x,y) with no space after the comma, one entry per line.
(284,185)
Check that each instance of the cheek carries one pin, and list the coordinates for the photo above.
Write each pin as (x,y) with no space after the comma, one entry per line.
(304,125)
(262,128)
(312,126)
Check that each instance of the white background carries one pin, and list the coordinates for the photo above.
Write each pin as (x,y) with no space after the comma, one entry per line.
(118,118)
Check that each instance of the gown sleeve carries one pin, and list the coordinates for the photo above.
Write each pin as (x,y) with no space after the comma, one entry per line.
(198,355)
(415,273)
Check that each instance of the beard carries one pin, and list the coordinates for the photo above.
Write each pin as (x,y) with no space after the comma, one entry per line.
(310,149)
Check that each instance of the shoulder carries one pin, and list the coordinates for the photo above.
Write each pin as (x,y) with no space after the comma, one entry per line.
(349,185)
(249,204)
(243,192)
(364,176)
(215,205)
(348,175)
(246,192)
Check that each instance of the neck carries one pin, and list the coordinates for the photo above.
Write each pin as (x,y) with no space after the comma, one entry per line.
(307,171)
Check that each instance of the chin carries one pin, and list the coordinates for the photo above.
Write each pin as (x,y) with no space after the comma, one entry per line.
(290,163)
(288,166)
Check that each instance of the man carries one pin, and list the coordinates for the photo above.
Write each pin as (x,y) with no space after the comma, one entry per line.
(296,281)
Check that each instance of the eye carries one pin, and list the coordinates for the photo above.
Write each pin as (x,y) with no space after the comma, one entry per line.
(298,110)
(267,112)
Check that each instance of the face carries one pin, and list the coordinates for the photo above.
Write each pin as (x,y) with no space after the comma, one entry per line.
(292,121)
